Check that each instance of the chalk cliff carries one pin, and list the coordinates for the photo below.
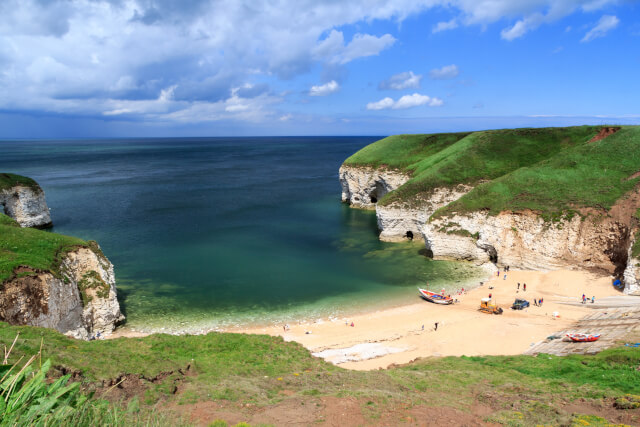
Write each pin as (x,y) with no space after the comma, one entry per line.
(524,240)
(362,187)
(27,205)
(78,300)
(599,241)
(632,273)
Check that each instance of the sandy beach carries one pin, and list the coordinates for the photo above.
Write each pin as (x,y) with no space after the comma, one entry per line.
(395,336)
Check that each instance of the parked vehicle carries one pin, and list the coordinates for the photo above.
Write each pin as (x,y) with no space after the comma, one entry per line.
(487,306)
(519,304)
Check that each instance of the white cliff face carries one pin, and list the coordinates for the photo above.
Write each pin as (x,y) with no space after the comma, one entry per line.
(397,223)
(26,205)
(362,187)
(524,240)
(632,275)
(80,304)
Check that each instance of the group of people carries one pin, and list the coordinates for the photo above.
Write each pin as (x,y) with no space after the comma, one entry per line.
(585,299)
(538,302)
(524,286)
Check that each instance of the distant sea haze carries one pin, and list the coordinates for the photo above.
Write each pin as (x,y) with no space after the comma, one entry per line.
(212,232)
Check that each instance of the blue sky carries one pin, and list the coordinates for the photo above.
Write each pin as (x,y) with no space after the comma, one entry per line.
(92,68)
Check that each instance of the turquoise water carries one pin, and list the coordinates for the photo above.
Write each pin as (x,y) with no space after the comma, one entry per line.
(213,232)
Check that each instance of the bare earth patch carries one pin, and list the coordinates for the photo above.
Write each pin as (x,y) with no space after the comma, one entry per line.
(604,132)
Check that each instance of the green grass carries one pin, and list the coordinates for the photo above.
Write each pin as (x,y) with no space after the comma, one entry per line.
(593,175)
(403,152)
(447,160)
(553,171)
(8,180)
(256,369)
(40,250)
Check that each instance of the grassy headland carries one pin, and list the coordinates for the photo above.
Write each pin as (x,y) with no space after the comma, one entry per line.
(8,180)
(547,170)
(37,249)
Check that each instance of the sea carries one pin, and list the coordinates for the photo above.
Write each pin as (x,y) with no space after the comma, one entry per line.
(215,233)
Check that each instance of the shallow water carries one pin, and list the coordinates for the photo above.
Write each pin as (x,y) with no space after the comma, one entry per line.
(212,232)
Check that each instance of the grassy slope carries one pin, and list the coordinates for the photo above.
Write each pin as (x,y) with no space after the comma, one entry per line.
(587,175)
(37,249)
(8,180)
(403,152)
(549,170)
(257,369)
(474,157)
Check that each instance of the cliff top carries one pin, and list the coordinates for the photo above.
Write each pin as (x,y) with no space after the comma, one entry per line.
(547,170)
(36,249)
(8,180)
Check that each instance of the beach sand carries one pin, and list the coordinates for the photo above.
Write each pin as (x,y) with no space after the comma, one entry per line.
(395,336)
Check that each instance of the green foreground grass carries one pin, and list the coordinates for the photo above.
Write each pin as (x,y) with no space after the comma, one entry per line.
(256,369)
(548,170)
(38,249)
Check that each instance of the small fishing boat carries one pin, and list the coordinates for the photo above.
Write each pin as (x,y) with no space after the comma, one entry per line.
(435,298)
(583,337)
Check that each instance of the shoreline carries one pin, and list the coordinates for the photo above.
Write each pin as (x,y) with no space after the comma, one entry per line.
(381,338)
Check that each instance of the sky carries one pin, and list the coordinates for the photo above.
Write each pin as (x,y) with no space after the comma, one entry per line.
(109,68)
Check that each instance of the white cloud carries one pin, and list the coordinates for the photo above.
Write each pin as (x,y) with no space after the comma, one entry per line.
(444,73)
(325,89)
(406,101)
(605,24)
(400,81)
(384,103)
(445,25)
(285,117)
(92,57)
(334,50)
(522,26)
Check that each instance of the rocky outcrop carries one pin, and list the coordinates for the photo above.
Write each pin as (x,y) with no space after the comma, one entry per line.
(27,205)
(362,187)
(524,240)
(631,276)
(397,223)
(599,241)
(79,300)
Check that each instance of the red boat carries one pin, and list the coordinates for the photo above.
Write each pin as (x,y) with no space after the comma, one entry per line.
(583,337)
(435,298)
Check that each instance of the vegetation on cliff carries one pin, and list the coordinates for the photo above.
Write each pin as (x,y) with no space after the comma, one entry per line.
(37,249)
(9,180)
(243,374)
(548,170)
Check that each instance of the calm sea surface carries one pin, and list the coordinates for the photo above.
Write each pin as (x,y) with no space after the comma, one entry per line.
(212,232)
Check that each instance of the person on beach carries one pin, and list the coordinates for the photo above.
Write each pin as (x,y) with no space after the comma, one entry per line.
(505,277)
(593,300)
(498,274)
(352,325)
(540,302)
(436,324)
(584,299)
(489,295)
(423,327)
(535,302)
(518,285)
(524,287)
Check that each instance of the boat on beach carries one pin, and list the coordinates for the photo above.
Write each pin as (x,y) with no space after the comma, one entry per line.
(583,337)
(435,298)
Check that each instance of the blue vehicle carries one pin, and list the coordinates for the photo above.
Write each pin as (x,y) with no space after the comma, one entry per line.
(519,304)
